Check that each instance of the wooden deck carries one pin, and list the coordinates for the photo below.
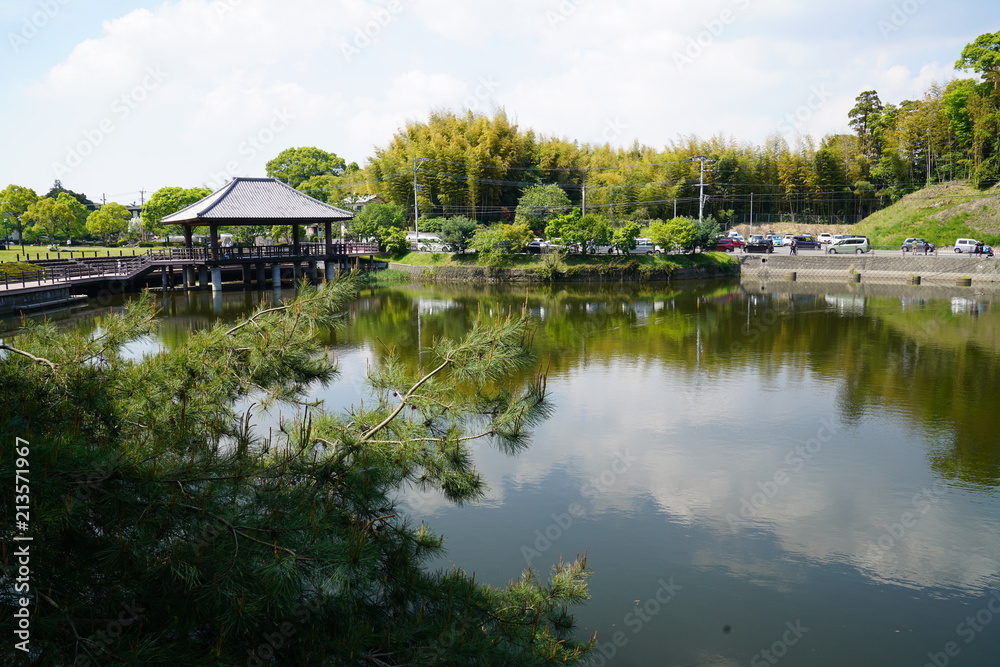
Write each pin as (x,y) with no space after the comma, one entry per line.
(94,269)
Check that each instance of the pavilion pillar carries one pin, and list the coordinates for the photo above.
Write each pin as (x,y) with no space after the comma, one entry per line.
(296,250)
(328,239)
(188,236)
(213,235)
(216,278)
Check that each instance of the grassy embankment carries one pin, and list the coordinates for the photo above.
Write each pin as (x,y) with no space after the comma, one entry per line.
(939,213)
(569,264)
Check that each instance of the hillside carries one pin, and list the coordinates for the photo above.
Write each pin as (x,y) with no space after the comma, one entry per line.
(939,213)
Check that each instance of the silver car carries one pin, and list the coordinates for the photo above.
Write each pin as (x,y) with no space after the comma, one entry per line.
(855,244)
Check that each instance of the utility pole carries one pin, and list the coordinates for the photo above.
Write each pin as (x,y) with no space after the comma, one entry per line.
(416,205)
(701,185)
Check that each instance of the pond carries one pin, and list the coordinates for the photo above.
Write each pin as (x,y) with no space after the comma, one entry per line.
(758,474)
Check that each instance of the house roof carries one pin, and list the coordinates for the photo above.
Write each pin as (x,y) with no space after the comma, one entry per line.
(254,201)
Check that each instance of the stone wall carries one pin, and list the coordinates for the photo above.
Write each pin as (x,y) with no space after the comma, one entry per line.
(895,267)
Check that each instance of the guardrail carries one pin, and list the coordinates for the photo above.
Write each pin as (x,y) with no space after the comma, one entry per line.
(128,266)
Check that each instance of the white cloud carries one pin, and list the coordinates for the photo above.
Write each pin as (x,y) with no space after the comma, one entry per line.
(581,69)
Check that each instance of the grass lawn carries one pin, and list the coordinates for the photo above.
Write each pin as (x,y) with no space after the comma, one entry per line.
(13,252)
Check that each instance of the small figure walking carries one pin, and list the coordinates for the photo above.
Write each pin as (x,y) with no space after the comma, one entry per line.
(794,250)
(927,247)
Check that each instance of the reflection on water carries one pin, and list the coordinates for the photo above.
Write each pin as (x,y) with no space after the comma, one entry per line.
(736,460)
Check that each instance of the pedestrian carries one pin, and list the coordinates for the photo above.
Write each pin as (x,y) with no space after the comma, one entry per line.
(927,247)
(794,250)
(979,248)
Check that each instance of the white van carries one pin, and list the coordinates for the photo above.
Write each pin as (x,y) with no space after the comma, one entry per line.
(965,245)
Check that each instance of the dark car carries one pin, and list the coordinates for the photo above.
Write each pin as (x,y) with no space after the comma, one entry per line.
(727,244)
(759,244)
(806,243)
(917,245)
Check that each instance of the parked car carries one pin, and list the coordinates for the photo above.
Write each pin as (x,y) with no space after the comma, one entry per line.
(966,245)
(853,244)
(736,235)
(916,245)
(787,238)
(806,242)
(727,244)
(758,243)
(776,240)
(826,237)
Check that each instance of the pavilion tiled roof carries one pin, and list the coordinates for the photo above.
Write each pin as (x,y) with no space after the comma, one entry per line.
(256,200)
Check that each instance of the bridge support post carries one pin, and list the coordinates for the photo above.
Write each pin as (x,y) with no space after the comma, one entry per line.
(216,279)
(276,276)
(247,276)
(296,272)
(189,278)
(331,270)
(313,274)
(203,276)
(164,278)
(261,278)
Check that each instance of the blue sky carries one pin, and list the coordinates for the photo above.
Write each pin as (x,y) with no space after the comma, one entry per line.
(116,97)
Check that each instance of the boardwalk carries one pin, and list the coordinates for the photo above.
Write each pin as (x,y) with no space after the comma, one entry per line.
(54,273)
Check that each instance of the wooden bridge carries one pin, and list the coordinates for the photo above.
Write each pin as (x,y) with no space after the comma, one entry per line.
(178,267)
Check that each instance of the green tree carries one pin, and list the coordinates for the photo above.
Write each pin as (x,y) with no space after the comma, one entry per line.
(587,231)
(198,539)
(57,189)
(109,221)
(375,220)
(491,246)
(295,165)
(706,231)
(623,238)
(51,219)
(167,200)
(393,241)
(863,118)
(540,203)
(678,232)
(983,57)
(457,232)
(79,210)
(246,235)
(14,202)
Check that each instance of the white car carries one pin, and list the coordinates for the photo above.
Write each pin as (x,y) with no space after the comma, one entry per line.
(965,245)
(825,237)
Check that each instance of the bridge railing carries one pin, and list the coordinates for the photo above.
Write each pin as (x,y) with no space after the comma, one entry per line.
(129,265)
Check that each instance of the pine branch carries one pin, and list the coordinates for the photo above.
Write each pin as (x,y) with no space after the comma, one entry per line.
(40,360)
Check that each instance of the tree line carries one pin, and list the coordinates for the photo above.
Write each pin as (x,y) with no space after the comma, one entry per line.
(478,167)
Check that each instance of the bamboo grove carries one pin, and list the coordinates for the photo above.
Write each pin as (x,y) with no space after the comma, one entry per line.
(477,165)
